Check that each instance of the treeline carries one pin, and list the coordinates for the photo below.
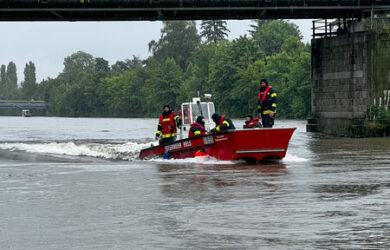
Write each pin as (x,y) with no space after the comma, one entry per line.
(183,62)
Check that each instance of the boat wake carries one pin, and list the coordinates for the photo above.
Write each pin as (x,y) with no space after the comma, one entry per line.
(128,151)
(203,160)
(125,151)
(293,158)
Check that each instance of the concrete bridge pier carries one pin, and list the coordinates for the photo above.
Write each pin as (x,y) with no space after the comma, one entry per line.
(350,75)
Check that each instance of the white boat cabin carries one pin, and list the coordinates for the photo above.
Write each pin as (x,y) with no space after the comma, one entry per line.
(191,110)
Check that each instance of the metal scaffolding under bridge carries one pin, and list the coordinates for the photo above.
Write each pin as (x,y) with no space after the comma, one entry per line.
(137,10)
(9,104)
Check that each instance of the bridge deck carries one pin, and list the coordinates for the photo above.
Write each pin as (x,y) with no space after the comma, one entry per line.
(9,104)
(136,10)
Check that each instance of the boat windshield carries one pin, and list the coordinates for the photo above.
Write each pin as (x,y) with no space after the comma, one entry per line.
(192,110)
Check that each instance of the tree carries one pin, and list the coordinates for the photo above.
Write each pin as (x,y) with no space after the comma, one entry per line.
(271,35)
(101,66)
(47,91)
(230,59)
(163,86)
(11,82)
(3,77)
(178,40)
(29,85)
(257,26)
(214,30)
(127,65)
(122,94)
(289,73)
(75,64)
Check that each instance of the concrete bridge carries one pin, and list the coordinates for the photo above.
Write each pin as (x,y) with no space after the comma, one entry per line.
(350,76)
(137,10)
(9,104)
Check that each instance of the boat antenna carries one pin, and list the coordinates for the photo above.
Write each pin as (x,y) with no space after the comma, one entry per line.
(198,103)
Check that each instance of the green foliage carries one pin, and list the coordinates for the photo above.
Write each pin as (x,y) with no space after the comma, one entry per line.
(76,64)
(214,30)
(377,121)
(11,82)
(121,67)
(3,77)
(29,86)
(271,35)
(179,68)
(164,85)
(178,40)
(380,115)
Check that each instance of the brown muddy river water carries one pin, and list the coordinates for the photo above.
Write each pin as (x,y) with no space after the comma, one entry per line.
(76,183)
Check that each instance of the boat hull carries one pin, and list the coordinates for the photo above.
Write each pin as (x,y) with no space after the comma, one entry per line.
(248,144)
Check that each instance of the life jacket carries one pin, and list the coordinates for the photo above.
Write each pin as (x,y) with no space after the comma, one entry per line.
(168,125)
(191,133)
(221,121)
(260,98)
(252,123)
(199,154)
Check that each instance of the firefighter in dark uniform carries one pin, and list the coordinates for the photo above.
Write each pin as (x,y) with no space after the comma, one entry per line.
(197,128)
(178,120)
(251,122)
(267,103)
(166,128)
(221,123)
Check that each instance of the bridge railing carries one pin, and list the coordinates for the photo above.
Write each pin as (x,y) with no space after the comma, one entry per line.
(22,104)
(379,22)
(328,28)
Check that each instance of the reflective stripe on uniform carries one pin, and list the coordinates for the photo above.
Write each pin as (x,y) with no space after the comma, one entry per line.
(166,119)
(169,135)
(274,105)
(197,133)
(268,111)
(273,95)
(226,123)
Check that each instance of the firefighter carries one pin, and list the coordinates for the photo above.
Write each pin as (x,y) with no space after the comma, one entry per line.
(197,128)
(166,128)
(178,120)
(251,122)
(221,123)
(267,104)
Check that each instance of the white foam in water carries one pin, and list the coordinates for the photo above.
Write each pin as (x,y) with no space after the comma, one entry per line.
(203,160)
(293,158)
(126,151)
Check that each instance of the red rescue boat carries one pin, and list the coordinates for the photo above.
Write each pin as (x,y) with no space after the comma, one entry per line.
(247,144)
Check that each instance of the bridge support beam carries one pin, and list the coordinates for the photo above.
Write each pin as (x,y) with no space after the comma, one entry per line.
(350,73)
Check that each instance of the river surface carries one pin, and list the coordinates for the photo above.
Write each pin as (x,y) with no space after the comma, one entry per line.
(76,183)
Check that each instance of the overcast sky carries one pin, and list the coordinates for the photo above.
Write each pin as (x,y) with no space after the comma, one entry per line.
(48,43)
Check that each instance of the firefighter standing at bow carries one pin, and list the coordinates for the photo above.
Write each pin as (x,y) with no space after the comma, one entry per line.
(166,128)
(267,104)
